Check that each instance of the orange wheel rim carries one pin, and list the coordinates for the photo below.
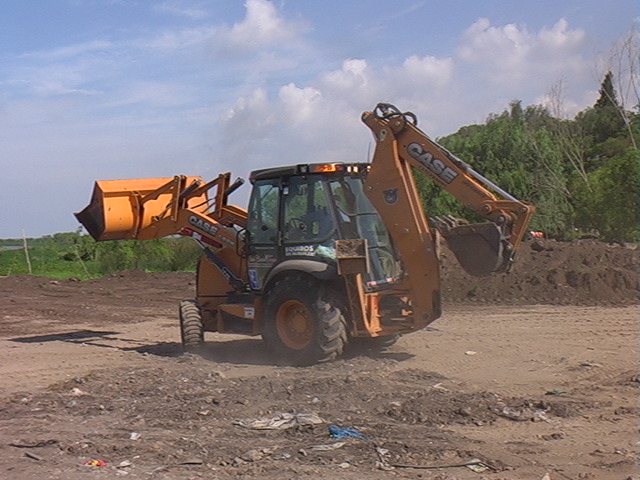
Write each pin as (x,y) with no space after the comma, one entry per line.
(294,325)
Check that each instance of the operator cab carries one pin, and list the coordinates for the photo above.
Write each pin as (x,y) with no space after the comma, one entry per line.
(298,212)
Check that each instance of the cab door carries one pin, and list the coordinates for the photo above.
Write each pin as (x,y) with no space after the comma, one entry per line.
(263,225)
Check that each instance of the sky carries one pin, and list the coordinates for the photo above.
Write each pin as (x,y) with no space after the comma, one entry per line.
(117,89)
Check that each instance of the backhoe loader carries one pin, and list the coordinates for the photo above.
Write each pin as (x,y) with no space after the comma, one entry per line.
(326,253)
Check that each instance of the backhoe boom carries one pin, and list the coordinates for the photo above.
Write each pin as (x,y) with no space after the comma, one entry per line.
(481,248)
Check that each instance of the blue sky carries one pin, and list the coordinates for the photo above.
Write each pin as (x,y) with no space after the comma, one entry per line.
(113,89)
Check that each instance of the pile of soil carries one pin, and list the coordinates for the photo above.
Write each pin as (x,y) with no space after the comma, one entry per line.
(582,272)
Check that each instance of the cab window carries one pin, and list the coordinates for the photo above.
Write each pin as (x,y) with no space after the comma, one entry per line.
(263,212)
(307,217)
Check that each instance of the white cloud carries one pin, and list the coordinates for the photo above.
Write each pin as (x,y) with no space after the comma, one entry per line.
(509,55)
(434,71)
(70,51)
(353,75)
(54,78)
(171,40)
(299,103)
(492,66)
(180,10)
(482,42)
(150,93)
(263,28)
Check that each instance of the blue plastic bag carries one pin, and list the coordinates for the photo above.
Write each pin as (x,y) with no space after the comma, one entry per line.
(339,432)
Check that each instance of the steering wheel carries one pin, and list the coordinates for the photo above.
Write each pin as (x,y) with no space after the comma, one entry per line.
(295,224)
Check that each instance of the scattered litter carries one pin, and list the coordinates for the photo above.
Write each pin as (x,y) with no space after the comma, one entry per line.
(470,352)
(252,455)
(590,364)
(328,447)
(95,463)
(339,432)
(438,386)
(513,414)
(42,443)
(525,415)
(345,465)
(383,463)
(477,465)
(76,392)
(255,455)
(124,464)
(282,421)
(134,436)
(33,456)
(474,464)
(542,415)
(555,391)
(192,461)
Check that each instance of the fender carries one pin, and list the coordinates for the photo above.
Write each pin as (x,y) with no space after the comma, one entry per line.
(319,270)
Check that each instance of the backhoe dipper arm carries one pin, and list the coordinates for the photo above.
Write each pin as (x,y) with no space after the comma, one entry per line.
(480,248)
(401,144)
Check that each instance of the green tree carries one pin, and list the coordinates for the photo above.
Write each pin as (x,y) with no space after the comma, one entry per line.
(611,206)
(606,118)
(116,255)
(515,150)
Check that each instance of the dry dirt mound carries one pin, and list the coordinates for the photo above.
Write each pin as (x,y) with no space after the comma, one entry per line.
(583,272)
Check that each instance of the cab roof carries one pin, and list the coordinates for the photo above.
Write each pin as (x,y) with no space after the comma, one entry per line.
(306,168)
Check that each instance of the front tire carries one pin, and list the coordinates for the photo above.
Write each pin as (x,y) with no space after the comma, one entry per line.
(191,326)
(302,323)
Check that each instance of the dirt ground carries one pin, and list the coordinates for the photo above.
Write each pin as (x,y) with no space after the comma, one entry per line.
(532,374)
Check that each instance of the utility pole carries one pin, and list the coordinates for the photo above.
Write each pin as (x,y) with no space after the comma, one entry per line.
(26,251)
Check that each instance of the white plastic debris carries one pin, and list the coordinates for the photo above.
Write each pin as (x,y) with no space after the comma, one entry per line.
(282,421)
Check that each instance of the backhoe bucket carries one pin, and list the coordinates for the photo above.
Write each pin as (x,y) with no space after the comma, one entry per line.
(479,248)
(115,211)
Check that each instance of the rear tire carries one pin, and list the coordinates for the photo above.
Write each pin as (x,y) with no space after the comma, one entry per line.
(302,322)
(191,326)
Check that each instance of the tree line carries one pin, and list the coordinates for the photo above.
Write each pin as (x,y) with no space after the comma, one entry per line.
(74,254)
(582,174)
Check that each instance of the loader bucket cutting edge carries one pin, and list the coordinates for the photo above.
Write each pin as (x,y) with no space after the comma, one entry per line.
(112,215)
(92,220)
(479,248)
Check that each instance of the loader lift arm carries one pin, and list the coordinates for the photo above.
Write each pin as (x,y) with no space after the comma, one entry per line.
(481,248)
(146,209)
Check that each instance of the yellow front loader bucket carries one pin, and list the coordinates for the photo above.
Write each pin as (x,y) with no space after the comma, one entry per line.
(120,209)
